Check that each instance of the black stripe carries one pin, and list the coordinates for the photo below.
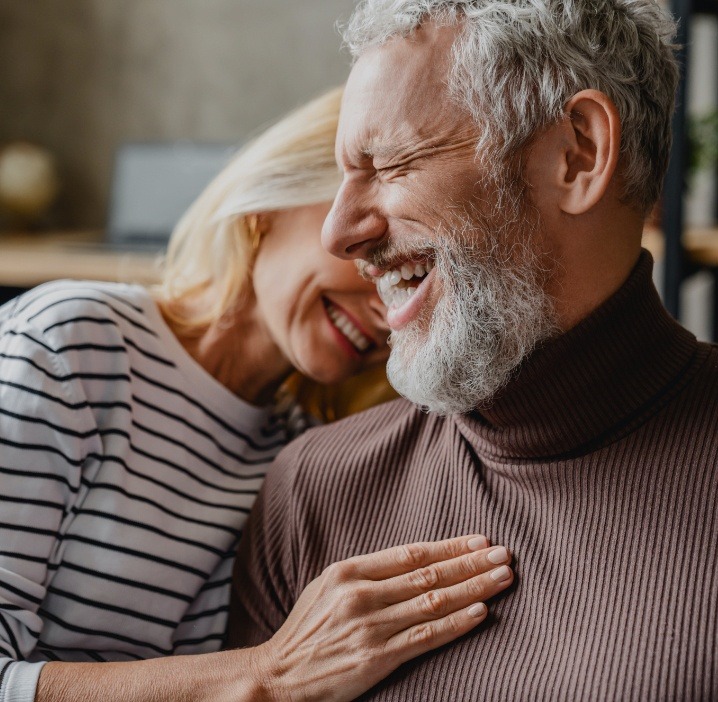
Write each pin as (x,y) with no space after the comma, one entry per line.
(10,637)
(206,613)
(170,488)
(215,418)
(69,405)
(3,672)
(37,294)
(48,650)
(99,302)
(50,655)
(153,558)
(23,557)
(24,626)
(103,321)
(129,304)
(211,585)
(12,332)
(213,464)
(116,459)
(65,430)
(46,448)
(150,355)
(28,529)
(110,348)
(199,457)
(45,422)
(199,430)
(106,634)
(44,476)
(69,376)
(124,581)
(152,529)
(201,640)
(29,501)
(161,507)
(143,616)
(87,346)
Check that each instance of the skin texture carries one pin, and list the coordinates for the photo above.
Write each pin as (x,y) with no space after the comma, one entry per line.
(409,160)
(282,325)
(351,627)
(293,276)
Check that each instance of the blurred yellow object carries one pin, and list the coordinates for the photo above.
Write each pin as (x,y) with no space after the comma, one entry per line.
(332,402)
(28,181)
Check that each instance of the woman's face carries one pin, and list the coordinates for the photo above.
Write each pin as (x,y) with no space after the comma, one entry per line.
(327,321)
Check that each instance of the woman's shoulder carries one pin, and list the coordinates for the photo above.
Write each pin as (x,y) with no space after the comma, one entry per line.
(53,310)
(53,302)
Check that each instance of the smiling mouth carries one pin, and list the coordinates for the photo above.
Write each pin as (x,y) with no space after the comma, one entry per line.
(397,285)
(348,328)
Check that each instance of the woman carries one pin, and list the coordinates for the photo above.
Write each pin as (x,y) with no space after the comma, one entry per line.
(136,430)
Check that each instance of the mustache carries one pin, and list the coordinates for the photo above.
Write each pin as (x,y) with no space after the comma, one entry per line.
(389,255)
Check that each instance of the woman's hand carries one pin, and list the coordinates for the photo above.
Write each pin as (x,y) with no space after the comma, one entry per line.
(364,617)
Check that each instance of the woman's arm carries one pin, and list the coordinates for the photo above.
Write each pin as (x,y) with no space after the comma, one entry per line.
(350,628)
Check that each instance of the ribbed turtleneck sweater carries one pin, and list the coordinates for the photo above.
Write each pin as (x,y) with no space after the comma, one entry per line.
(597,466)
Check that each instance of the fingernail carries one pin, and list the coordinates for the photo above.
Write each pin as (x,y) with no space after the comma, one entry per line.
(477,610)
(498,555)
(477,542)
(501,574)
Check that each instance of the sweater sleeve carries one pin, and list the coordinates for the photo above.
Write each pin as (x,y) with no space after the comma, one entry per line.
(265,574)
(45,433)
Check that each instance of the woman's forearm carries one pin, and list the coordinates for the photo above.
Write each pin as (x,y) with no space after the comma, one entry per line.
(351,626)
(213,677)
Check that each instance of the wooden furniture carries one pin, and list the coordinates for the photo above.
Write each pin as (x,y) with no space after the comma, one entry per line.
(27,260)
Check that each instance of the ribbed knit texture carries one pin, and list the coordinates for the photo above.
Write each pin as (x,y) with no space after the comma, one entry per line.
(597,467)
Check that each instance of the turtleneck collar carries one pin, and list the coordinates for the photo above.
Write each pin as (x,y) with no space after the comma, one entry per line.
(591,385)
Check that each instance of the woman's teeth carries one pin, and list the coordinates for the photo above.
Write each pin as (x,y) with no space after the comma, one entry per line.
(348,328)
(392,286)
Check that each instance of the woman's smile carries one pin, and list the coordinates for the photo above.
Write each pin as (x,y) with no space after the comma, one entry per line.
(350,333)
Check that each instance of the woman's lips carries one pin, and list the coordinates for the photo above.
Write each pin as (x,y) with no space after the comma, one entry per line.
(348,329)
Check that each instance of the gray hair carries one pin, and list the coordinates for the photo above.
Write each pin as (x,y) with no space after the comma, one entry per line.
(518,62)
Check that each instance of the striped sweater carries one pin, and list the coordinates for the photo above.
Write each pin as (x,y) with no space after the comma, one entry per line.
(597,466)
(126,474)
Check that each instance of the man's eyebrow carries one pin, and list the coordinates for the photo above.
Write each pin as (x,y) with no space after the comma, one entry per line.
(385,150)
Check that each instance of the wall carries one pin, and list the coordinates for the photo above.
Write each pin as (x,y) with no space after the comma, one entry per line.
(80,76)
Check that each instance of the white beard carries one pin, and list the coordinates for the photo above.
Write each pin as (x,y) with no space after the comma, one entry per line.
(492,313)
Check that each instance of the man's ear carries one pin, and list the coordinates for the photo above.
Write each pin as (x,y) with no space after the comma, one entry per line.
(592,145)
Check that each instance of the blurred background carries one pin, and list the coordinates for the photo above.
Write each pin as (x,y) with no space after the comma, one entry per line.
(81,78)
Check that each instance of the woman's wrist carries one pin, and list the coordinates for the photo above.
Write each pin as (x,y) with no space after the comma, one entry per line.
(258,677)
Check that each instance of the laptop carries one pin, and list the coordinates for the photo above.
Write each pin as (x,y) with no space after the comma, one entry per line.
(153,184)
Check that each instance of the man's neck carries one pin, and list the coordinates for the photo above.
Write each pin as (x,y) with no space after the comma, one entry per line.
(594,260)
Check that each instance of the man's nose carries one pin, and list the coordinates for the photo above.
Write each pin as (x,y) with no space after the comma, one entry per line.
(352,226)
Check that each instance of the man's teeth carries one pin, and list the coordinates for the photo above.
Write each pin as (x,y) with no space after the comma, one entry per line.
(394,295)
(348,328)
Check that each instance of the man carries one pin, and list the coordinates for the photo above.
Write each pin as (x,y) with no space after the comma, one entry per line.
(499,160)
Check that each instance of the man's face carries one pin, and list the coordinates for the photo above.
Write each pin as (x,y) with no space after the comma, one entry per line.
(451,247)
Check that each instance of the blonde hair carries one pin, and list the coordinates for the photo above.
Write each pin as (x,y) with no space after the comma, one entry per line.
(291,164)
